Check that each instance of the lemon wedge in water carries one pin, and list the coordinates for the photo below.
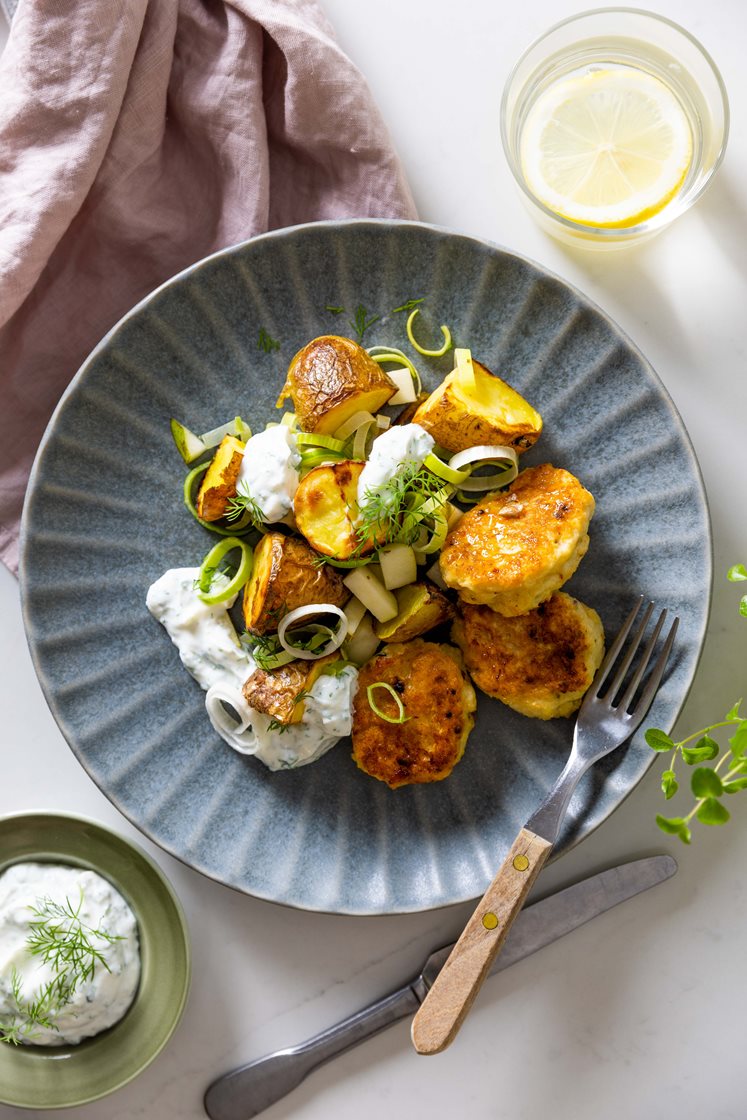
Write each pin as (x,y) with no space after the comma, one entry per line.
(607,148)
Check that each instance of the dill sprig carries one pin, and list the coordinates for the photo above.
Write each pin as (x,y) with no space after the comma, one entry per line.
(266,342)
(408,305)
(63,940)
(243,503)
(362,322)
(389,513)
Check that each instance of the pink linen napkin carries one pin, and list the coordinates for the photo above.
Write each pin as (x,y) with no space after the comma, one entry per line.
(137,136)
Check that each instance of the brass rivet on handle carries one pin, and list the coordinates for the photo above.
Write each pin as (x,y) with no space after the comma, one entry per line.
(521,863)
(489,920)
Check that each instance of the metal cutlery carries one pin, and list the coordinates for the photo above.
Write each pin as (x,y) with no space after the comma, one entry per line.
(247,1091)
(611,711)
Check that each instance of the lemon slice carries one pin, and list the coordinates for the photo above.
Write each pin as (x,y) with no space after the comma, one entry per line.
(607,148)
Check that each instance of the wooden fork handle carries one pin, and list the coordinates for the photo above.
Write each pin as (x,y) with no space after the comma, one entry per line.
(444,1008)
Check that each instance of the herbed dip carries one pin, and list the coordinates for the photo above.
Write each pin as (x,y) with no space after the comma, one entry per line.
(69,955)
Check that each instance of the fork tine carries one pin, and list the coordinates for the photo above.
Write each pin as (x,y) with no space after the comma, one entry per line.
(657,673)
(630,653)
(613,651)
(641,668)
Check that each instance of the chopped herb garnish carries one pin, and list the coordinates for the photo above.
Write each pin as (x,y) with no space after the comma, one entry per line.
(362,322)
(243,503)
(266,342)
(334,310)
(408,306)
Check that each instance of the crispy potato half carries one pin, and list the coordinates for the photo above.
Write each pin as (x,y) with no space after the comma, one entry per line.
(472,406)
(540,663)
(421,608)
(219,483)
(438,699)
(278,693)
(326,509)
(286,575)
(331,378)
(517,546)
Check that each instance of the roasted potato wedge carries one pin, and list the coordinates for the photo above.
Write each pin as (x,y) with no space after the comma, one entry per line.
(326,508)
(219,483)
(276,692)
(476,407)
(421,607)
(438,699)
(286,575)
(330,379)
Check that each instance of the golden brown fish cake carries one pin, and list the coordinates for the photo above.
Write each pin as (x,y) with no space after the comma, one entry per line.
(438,699)
(540,663)
(512,550)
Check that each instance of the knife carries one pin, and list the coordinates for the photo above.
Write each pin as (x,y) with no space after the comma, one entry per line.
(247,1091)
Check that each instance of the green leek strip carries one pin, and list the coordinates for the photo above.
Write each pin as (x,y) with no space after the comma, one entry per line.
(355,562)
(312,439)
(272,661)
(314,457)
(189,500)
(435,504)
(421,349)
(211,562)
(390,355)
(351,425)
(289,420)
(486,455)
(443,470)
(401,717)
(438,535)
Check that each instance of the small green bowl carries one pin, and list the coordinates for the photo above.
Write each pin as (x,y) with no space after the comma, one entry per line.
(63,1076)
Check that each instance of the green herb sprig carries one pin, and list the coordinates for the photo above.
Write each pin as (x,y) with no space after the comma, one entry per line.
(362,321)
(243,503)
(390,511)
(709,784)
(266,342)
(60,937)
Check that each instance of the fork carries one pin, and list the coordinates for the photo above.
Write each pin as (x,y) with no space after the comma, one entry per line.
(605,721)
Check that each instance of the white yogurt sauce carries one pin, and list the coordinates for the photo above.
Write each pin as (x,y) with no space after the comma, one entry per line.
(394,449)
(204,636)
(210,650)
(328,715)
(98,1002)
(269,471)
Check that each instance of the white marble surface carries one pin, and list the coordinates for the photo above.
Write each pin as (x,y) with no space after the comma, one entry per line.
(633,1015)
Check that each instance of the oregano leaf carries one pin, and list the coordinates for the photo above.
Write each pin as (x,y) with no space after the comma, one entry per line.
(674,826)
(735,784)
(706,783)
(712,812)
(669,784)
(704,750)
(658,740)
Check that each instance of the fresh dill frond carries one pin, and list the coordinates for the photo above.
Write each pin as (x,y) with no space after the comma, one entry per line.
(389,513)
(334,310)
(263,649)
(276,725)
(243,503)
(266,342)
(361,323)
(409,305)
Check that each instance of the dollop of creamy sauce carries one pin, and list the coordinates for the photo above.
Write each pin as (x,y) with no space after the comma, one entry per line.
(97,1002)
(397,447)
(210,650)
(205,636)
(269,471)
(327,717)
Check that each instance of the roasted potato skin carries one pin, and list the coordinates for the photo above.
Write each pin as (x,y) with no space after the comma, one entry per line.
(540,663)
(422,608)
(439,700)
(326,508)
(286,575)
(331,378)
(219,483)
(456,422)
(515,548)
(274,692)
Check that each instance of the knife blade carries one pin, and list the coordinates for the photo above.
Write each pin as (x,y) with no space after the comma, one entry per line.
(247,1091)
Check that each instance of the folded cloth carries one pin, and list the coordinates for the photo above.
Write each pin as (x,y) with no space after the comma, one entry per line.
(136,136)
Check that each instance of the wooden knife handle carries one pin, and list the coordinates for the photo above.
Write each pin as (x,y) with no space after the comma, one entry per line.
(444,1008)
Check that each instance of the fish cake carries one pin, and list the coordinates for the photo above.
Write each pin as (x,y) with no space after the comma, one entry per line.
(438,699)
(518,546)
(540,663)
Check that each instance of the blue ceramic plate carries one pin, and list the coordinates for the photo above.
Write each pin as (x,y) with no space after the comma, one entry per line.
(104,518)
(40,1077)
